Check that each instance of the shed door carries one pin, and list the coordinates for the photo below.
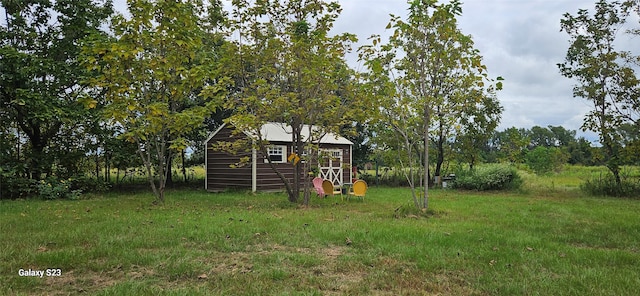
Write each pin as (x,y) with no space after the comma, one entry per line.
(330,164)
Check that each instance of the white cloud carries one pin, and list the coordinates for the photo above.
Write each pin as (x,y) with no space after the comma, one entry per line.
(520,40)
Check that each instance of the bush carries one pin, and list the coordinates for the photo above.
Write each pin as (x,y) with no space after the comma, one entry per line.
(606,186)
(12,187)
(86,184)
(53,188)
(543,160)
(488,177)
(387,177)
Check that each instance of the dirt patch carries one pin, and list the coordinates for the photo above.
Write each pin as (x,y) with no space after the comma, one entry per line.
(74,282)
(329,273)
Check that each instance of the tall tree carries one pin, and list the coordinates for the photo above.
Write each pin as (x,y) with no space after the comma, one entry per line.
(150,72)
(291,71)
(606,77)
(40,74)
(562,136)
(541,137)
(630,143)
(511,144)
(475,125)
(431,70)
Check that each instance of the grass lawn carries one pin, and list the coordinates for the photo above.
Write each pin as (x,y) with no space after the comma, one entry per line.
(526,243)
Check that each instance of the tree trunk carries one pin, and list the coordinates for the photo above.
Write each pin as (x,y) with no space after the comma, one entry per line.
(97,165)
(472,161)
(425,203)
(35,162)
(296,129)
(167,168)
(184,169)
(290,194)
(440,147)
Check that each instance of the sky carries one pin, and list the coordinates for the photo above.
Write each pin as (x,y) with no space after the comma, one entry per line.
(520,40)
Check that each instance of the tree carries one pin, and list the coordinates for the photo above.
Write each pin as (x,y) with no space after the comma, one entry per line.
(41,78)
(605,77)
(155,65)
(430,71)
(290,70)
(360,134)
(541,137)
(512,144)
(630,135)
(476,124)
(543,159)
(562,136)
(580,152)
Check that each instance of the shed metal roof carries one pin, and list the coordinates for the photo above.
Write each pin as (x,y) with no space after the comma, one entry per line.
(280,132)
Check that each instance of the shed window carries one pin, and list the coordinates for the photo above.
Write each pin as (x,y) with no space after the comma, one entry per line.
(277,153)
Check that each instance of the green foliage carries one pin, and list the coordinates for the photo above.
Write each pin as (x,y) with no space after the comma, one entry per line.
(86,184)
(54,188)
(477,123)
(289,69)
(512,144)
(41,80)
(608,186)
(426,78)
(631,143)
(386,177)
(606,77)
(152,73)
(544,160)
(13,186)
(489,177)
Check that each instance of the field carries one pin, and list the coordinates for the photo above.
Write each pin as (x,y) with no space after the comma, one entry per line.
(547,239)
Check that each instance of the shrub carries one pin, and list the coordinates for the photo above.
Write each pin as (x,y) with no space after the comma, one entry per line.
(12,187)
(488,177)
(544,160)
(606,186)
(409,210)
(86,184)
(391,178)
(53,188)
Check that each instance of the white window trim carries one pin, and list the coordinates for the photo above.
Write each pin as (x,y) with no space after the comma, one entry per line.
(284,154)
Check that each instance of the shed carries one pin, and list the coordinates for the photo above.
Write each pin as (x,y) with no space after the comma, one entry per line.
(222,172)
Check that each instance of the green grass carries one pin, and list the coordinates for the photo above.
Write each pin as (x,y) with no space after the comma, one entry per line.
(526,243)
(569,180)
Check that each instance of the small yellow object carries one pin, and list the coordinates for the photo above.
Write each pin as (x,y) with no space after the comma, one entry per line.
(294,158)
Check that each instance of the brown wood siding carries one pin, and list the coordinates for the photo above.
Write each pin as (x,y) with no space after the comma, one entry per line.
(267,179)
(221,176)
(220,173)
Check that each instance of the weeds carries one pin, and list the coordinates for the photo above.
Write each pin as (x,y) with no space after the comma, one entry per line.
(607,186)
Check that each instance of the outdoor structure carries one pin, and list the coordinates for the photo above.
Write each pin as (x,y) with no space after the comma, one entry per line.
(228,171)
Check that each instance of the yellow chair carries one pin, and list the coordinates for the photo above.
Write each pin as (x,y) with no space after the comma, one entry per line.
(359,189)
(328,188)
